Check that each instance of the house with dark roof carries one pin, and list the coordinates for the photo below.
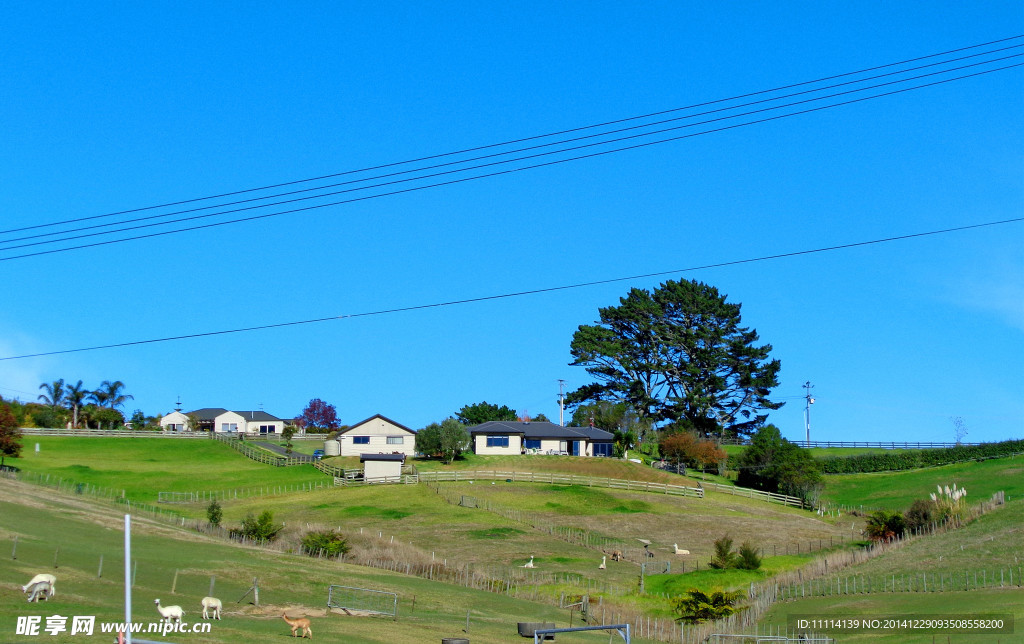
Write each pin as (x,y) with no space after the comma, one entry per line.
(377,435)
(220,420)
(515,437)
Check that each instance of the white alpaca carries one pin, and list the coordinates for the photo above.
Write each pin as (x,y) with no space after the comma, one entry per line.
(602,566)
(39,589)
(529,564)
(212,604)
(170,613)
(50,579)
(675,548)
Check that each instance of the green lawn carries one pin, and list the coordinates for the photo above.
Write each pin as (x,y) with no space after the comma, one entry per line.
(897,490)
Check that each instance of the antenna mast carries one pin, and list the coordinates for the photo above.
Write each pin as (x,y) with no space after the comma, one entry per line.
(807,412)
(561,402)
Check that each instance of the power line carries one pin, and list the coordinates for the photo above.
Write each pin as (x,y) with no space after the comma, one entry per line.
(563,142)
(528,167)
(537,291)
(520,140)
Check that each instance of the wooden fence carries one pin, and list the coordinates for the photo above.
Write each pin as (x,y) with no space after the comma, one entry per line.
(750,493)
(263,456)
(871,444)
(132,433)
(560,479)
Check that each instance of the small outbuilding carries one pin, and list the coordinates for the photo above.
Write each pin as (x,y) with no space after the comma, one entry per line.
(382,468)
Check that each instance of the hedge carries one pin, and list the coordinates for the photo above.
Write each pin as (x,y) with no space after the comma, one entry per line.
(917,458)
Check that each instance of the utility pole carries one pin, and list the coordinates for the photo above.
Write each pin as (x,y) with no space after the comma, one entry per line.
(807,412)
(561,402)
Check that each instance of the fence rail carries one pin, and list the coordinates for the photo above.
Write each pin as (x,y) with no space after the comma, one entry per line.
(873,444)
(561,479)
(135,433)
(750,493)
(263,456)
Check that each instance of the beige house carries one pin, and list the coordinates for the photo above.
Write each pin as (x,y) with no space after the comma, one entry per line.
(377,435)
(514,437)
(223,421)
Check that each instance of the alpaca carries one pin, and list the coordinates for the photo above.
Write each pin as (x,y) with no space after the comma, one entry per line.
(212,604)
(603,561)
(675,547)
(529,564)
(42,577)
(297,623)
(617,555)
(170,613)
(39,589)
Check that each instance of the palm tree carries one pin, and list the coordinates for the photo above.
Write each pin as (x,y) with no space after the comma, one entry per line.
(54,395)
(109,394)
(74,396)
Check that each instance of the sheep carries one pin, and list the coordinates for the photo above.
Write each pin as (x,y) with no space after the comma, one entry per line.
(170,613)
(529,564)
(42,577)
(39,589)
(297,623)
(212,604)
(603,562)
(675,548)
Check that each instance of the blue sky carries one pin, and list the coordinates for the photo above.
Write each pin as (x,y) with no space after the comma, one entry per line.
(109,107)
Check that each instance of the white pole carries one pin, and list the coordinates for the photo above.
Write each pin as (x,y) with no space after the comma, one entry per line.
(128,578)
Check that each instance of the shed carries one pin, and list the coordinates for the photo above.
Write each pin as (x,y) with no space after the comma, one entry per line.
(382,468)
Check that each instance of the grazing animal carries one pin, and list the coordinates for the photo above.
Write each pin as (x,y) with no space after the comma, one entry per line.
(529,564)
(39,589)
(296,624)
(170,613)
(675,547)
(647,551)
(212,604)
(616,555)
(602,566)
(42,577)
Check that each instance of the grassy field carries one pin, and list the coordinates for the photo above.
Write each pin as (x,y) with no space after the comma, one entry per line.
(84,531)
(897,490)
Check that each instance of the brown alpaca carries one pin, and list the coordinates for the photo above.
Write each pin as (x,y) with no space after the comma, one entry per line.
(296,624)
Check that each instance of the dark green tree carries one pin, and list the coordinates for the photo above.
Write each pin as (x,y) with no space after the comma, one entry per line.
(261,528)
(110,395)
(773,464)
(287,434)
(748,559)
(885,526)
(325,543)
(73,397)
(483,412)
(724,557)
(54,396)
(678,354)
(698,606)
(454,439)
(428,440)
(10,434)
(214,513)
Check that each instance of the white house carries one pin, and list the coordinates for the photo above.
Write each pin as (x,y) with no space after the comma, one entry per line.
(515,437)
(382,468)
(377,435)
(220,420)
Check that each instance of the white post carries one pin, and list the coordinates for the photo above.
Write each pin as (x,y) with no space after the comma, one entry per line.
(128,578)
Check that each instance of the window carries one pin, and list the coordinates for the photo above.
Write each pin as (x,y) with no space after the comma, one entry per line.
(396,440)
(532,443)
(602,449)
(360,440)
(268,429)
(175,428)
(497,441)
(229,427)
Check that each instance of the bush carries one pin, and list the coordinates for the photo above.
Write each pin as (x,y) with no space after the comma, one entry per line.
(920,514)
(917,458)
(327,543)
(699,607)
(749,559)
(259,528)
(214,513)
(885,526)
(724,556)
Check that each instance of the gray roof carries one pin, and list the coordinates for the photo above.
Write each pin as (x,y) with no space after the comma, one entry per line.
(256,415)
(382,457)
(540,430)
(382,417)
(206,413)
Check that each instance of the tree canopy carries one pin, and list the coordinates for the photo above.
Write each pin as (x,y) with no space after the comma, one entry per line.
(319,415)
(679,354)
(10,434)
(447,439)
(483,412)
(773,464)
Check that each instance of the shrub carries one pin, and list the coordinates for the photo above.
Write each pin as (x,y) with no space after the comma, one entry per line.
(698,607)
(724,556)
(911,459)
(214,513)
(749,559)
(327,543)
(922,512)
(885,526)
(259,528)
